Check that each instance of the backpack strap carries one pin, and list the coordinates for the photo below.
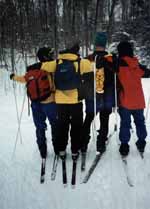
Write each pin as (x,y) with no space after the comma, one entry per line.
(52,82)
(79,70)
(57,61)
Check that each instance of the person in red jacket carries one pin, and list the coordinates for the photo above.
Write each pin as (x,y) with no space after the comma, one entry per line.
(131,98)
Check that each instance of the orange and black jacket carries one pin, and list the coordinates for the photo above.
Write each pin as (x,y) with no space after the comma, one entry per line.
(106,62)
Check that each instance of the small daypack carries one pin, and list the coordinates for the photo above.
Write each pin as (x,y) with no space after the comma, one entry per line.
(86,87)
(38,85)
(66,77)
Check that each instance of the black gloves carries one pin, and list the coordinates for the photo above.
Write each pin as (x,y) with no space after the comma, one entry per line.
(11,76)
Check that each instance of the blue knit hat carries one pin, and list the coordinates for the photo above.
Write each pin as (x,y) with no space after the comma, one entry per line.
(100,39)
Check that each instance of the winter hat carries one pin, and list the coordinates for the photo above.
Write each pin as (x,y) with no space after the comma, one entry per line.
(125,49)
(45,54)
(100,39)
(72,45)
(75,48)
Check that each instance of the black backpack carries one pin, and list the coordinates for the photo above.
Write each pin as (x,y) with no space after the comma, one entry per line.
(66,77)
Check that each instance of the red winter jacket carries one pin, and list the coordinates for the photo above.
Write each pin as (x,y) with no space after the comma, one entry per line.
(131,94)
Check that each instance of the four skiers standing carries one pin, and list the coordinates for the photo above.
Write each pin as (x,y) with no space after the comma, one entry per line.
(64,108)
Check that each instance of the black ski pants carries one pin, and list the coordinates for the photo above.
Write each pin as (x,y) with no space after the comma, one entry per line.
(70,120)
(103,130)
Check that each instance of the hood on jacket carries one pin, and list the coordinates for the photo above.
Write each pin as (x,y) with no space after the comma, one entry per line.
(73,48)
(132,62)
(68,56)
(125,48)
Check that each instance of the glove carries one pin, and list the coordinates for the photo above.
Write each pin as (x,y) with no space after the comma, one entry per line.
(11,76)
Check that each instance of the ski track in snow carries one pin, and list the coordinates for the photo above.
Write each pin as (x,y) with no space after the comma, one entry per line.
(107,188)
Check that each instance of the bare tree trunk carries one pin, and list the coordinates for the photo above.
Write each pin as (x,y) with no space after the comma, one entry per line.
(86,31)
(125,10)
(56,38)
(96,15)
(111,20)
(53,13)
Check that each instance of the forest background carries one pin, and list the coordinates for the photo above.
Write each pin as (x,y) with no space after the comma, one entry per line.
(26,25)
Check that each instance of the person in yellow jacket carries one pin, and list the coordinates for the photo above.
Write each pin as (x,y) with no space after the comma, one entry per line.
(69,107)
(45,109)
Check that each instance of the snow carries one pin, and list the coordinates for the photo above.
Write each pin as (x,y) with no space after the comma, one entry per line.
(107,188)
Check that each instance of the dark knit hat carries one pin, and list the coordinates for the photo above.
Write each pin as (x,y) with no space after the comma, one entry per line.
(100,39)
(71,48)
(75,48)
(125,48)
(45,54)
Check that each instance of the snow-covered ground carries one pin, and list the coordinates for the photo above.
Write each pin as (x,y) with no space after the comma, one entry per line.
(107,188)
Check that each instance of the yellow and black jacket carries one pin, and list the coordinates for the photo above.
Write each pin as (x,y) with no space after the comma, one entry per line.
(67,96)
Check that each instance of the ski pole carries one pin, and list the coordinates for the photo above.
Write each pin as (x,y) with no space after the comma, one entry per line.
(19,124)
(13,69)
(147,111)
(16,105)
(94,124)
(116,107)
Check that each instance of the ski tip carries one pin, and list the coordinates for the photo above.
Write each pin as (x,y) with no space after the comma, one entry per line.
(84,181)
(124,157)
(73,186)
(52,177)
(83,169)
(142,155)
(42,180)
(65,185)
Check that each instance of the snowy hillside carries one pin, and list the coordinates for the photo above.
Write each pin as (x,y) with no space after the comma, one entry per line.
(107,188)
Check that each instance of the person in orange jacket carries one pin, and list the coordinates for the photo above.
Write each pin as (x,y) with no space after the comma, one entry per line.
(131,97)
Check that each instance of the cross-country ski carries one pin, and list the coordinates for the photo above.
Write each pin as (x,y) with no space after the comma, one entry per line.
(54,168)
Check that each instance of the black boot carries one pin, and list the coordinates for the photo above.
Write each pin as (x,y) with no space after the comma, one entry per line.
(140,144)
(62,155)
(75,156)
(101,146)
(124,149)
(43,150)
(84,144)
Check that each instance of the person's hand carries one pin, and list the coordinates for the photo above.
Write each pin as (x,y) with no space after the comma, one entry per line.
(11,76)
